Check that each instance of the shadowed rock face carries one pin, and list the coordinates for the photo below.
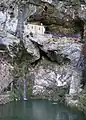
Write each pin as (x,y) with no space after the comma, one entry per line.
(62,18)
(49,16)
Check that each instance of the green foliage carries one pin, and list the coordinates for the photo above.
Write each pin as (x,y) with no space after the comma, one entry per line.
(20,59)
(16,94)
(59,95)
(82,103)
(20,63)
(29,91)
(83,99)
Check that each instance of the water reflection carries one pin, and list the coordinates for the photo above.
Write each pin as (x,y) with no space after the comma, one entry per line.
(38,110)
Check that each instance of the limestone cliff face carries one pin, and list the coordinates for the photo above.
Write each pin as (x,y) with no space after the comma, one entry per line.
(54,67)
(63,17)
(51,61)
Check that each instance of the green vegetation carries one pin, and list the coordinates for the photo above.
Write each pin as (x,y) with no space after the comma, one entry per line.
(20,63)
(82,103)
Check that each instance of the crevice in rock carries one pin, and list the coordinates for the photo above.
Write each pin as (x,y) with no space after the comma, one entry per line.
(79,26)
(50,55)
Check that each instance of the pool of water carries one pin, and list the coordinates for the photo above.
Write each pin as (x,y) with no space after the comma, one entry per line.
(38,110)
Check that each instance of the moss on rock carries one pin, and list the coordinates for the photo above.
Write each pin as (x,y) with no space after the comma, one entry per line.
(82,103)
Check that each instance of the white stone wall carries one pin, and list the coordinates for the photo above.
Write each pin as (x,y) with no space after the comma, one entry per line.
(35,29)
(49,1)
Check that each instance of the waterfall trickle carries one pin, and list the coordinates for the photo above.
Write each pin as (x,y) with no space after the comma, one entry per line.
(24,97)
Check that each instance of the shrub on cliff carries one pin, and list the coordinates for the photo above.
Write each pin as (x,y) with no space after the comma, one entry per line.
(82,103)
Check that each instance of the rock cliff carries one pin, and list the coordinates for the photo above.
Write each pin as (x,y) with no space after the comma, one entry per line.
(49,62)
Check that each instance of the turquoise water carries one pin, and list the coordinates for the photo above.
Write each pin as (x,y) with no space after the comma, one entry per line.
(38,110)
